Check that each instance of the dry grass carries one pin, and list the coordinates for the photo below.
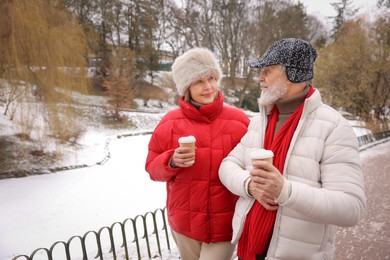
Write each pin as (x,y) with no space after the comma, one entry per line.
(149,91)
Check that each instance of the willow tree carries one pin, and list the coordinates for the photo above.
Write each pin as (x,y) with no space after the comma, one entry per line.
(42,60)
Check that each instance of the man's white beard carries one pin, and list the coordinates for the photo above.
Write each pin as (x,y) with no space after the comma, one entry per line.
(273,93)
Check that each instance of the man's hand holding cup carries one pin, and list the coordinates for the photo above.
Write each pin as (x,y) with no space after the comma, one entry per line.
(266,182)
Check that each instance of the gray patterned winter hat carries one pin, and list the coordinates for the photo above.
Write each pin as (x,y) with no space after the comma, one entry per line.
(297,55)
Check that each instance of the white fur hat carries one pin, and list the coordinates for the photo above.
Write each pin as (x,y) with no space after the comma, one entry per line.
(194,65)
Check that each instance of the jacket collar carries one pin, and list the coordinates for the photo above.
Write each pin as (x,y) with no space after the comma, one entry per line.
(206,113)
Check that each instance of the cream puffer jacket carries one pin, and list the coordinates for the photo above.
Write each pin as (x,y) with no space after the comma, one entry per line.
(327,186)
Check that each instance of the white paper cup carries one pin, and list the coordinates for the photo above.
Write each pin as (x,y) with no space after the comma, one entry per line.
(262,155)
(188,141)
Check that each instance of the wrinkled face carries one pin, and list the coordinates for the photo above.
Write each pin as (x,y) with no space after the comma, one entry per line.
(204,91)
(273,83)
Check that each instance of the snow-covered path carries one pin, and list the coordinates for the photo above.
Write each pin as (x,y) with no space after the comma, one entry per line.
(36,211)
(370,238)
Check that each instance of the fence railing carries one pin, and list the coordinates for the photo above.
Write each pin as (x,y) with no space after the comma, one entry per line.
(137,241)
(145,236)
(372,138)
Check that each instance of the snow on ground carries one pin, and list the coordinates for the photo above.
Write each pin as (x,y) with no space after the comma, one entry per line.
(39,210)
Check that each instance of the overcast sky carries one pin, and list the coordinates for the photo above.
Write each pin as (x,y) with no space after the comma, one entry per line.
(325,9)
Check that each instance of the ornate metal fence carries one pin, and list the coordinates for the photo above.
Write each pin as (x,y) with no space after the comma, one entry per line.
(142,237)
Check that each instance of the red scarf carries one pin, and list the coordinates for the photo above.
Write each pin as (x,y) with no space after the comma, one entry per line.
(259,221)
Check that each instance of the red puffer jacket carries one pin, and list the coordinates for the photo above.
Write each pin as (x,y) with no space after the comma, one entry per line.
(198,204)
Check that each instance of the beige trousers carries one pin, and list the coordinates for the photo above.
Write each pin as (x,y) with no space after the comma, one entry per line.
(191,249)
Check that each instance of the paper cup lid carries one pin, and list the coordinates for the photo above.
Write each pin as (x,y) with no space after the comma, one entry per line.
(187,139)
(261,154)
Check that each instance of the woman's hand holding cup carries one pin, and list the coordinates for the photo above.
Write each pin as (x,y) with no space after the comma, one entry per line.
(184,155)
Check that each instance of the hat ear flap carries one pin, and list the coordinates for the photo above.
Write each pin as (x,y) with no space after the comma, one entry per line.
(297,75)
(291,72)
